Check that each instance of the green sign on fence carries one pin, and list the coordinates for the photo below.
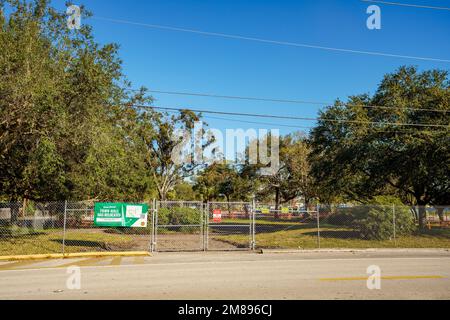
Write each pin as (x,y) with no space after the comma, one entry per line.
(120,215)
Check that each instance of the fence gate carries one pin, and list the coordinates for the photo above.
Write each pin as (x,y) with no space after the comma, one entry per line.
(229,226)
(178,226)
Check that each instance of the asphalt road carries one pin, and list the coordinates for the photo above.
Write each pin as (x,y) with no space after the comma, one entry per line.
(224,276)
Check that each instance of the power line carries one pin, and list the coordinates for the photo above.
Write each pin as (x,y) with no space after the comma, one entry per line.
(256,115)
(261,123)
(195,94)
(407,5)
(253,122)
(284,43)
(305,127)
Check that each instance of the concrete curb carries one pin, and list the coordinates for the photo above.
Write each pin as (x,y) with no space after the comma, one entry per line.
(393,250)
(75,255)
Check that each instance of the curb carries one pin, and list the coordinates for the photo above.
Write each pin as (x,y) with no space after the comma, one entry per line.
(381,250)
(75,255)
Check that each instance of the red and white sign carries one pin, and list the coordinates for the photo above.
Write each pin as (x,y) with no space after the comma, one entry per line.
(217,216)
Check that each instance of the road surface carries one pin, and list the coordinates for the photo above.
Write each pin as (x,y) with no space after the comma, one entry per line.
(225,276)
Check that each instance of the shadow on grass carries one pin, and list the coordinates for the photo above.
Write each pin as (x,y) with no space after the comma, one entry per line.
(81,243)
(272,228)
(438,232)
(337,234)
(128,231)
(9,234)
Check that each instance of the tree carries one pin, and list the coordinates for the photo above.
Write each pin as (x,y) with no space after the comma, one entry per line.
(184,191)
(158,132)
(292,179)
(63,113)
(361,151)
(224,180)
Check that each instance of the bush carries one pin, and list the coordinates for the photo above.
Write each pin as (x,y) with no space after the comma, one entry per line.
(179,216)
(379,225)
(347,216)
(375,222)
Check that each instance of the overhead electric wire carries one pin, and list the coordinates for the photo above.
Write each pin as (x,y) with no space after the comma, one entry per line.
(196,94)
(299,127)
(308,127)
(252,122)
(407,5)
(256,115)
(261,40)
(261,123)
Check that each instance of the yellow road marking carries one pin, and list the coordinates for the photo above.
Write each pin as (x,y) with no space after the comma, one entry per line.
(13,265)
(116,261)
(83,263)
(383,278)
(138,260)
(73,255)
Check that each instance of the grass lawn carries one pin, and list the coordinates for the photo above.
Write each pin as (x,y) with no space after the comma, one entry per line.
(23,241)
(269,234)
(289,235)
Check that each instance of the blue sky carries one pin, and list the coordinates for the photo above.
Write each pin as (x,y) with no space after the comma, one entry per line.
(177,61)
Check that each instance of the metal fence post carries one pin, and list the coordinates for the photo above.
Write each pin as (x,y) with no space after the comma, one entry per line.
(64,228)
(154,226)
(152,212)
(207,226)
(394,224)
(253,222)
(202,227)
(318,224)
(205,219)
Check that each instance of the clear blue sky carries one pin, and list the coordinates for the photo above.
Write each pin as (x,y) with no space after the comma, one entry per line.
(177,61)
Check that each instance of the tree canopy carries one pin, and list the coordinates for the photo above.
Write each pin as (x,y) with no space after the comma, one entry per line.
(72,128)
(394,142)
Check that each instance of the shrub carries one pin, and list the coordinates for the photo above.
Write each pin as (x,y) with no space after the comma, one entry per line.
(347,216)
(179,216)
(375,222)
(379,225)
(163,216)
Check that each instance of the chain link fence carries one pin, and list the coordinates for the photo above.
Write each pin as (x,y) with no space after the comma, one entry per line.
(63,227)
(179,226)
(28,228)
(68,227)
(80,234)
(230,226)
(274,224)
(351,227)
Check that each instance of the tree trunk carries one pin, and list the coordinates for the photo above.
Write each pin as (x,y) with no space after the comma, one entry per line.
(24,206)
(15,207)
(307,205)
(440,212)
(277,203)
(228,203)
(422,216)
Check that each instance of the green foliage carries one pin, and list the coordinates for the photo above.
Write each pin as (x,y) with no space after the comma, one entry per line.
(184,192)
(379,224)
(292,178)
(224,180)
(358,159)
(347,216)
(67,130)
(156,131)
(375,222)
(179,216)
